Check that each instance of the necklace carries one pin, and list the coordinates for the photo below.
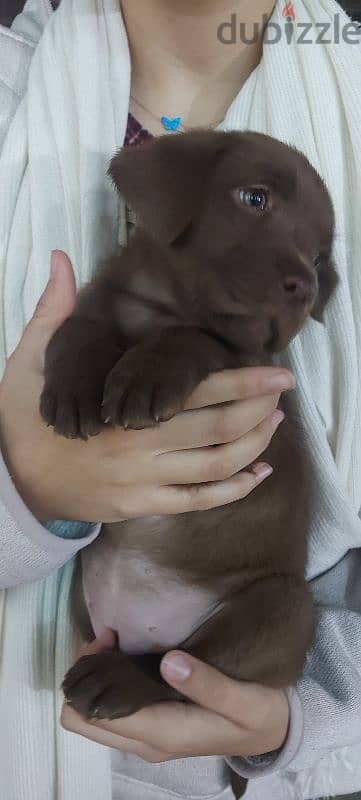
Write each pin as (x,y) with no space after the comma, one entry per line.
(169,123)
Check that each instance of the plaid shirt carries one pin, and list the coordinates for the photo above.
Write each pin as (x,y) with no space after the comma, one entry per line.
(135,133)
(134,136)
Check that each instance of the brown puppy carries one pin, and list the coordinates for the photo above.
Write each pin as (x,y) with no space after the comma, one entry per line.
(231,254)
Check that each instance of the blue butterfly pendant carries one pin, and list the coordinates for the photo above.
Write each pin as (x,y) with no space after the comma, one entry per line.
(171,124)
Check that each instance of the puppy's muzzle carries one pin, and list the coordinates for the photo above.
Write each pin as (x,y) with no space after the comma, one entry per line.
(300,289)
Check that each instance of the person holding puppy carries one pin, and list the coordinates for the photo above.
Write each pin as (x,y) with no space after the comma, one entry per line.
(180,70)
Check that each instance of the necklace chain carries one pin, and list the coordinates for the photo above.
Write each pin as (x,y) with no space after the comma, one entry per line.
(177,128)
(175,125)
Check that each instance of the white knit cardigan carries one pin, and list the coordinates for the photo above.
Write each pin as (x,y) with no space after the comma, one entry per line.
(55,194)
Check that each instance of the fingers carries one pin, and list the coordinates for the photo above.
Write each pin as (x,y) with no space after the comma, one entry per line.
(211,689)
(214,425)
(194,429)
(70,720)
(181,499)
(175,730)
(225,716)
(222,462)
(205,478)
(54,306)
(241,384)
(169,731)
(260,713)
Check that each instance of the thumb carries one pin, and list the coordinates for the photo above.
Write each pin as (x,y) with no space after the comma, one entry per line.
(54,306)
(246,704)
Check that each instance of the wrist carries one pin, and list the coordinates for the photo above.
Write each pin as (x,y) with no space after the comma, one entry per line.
(279,724)
(270,727)
(270,761)
(23,483)
(19,467)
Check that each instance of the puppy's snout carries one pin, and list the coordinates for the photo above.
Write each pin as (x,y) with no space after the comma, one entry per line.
(299,288)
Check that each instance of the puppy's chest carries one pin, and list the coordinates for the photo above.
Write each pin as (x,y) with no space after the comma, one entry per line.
(150,607)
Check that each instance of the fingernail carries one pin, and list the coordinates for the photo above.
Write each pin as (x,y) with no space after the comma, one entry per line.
(262,471)
(276,419)
(281,382)
(176,668)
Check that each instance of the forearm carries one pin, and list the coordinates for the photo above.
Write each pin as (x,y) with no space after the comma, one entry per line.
(29,551)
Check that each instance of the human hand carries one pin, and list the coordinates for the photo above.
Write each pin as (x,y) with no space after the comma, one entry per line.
(121,474)
(226,717)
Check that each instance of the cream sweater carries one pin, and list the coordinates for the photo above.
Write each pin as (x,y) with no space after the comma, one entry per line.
(39,760)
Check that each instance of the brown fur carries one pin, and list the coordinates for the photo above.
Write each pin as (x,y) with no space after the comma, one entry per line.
(206,283)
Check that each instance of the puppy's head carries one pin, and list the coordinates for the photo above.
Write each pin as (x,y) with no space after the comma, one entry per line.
(247,223)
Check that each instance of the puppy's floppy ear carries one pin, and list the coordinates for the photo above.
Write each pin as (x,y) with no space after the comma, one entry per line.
(165,179)
(327,283)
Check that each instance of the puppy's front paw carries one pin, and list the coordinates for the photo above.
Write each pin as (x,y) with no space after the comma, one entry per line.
(77,361)
(74,411)
(144,389)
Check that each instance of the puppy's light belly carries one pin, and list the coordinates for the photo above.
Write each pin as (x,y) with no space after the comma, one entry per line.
(150,609)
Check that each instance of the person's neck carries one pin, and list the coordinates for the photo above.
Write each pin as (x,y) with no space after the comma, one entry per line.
(181,64)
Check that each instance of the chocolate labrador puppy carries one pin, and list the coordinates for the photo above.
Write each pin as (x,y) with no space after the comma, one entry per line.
(230,256)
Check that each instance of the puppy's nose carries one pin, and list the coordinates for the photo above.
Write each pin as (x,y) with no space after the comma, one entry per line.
(302,289)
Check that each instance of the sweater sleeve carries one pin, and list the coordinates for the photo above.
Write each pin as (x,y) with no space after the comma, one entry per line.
(326,705)
(28,551)
(69,530)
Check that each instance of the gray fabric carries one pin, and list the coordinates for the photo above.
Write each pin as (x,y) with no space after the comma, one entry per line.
(356,796)
(194,779)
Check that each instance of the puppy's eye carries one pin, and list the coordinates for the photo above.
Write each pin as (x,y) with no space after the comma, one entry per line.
(317,260)
(254,198)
